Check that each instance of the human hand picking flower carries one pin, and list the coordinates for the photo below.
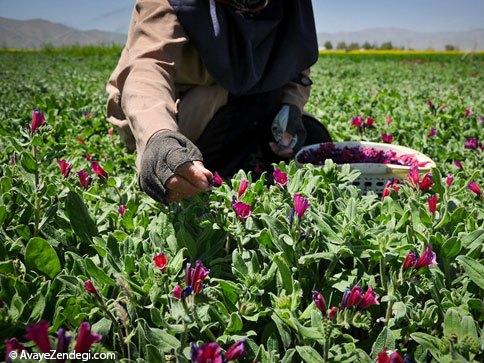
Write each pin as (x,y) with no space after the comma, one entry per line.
(288,131)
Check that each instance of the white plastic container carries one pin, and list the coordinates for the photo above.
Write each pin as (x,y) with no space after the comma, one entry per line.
(373,175)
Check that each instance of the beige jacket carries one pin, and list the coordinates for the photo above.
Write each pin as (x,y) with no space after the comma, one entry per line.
(160,81)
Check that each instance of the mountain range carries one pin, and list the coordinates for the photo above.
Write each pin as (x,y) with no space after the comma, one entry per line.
(37,32)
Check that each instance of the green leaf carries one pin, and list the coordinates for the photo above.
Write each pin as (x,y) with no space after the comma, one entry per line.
(29,163)
(3,214)
(163,340)
(81,222)
(473,237)
(452,321)
(176,263)
(451,247)
(285,272)
(235,324)
(102,327)
(427,341)
(474,269)
(468,327)
(40,255)
(97,273)
(384,340)
(310,355)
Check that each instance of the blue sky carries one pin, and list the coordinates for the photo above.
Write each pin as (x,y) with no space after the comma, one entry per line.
(331,15)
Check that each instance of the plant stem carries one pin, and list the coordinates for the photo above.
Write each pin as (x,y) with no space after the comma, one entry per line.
(36,192)
(200,324)
(383,273)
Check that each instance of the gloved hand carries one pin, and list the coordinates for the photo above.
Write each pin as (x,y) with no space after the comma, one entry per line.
(171,168)
(288,131)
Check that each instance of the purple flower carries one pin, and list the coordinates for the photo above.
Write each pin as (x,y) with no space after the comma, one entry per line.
(449,180)
(84,179)
(387,138)
(432,203)
(356,298)
(64,167)
(85,338)
(243,186)
(280,178)
(98,170)
(217,180)
(122,210)
(236,351)
(474,188)
(370,122)
(471,143)
(410,260)
(357,122)
(39,334)
(432,132)
(319,301)
(12,345)
(207,353)
(194,276)
(301,205)
(242,210)
(414,176)
(177,292)
(38,120)
(89,287)
(63,342)
(160,260)
(426,182)
(368,299)
(458,165)
(389,356)
(468,112)
(427,259)
(391,185)
(332,313)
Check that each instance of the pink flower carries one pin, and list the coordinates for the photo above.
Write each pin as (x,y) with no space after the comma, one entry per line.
(414,176)
(194,276)
(432,132)
(410,260)
(122,210)
(236,351)
(160,261)
(474,188)
(355,296)
(427,259)
(319,301)
(391,185)
(12,345)
(38,120)
(64,167)
(280,177)
(431,106)
(84,179)
(468,112)
(217,180)
(389,120)
(370,121)
(389,356)
(426,182)
(387,138)
(89,287)
(244,184)
(369,298)
(207,353)
(242,210)
(301,205)
(357,122)
(332,313)
(85,338)
(458,165)
(432,203)
(177,292)
(471,143)
(89,157)
(98,170)
(39,334)
(449,180)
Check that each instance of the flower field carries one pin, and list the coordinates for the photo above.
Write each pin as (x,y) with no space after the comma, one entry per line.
(293,266)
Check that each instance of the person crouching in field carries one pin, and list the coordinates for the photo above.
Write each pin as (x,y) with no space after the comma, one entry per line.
(213,85)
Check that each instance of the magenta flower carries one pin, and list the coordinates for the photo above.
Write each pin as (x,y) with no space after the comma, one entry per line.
(89,157)
(387,138)
(427,259)
(64,167)
(194,276)
(89,287)
(39,334)
(357,122)
(319,301)
(236,351)
(426,182)
(458,165)
(160,261)
(98,170)
(391,185)
(12,345)
(84,179)
(354,297)
(431,106)
(332,313)
(217,180)
(38,120)
(389,120)
(449,180)
(207,353)
(389,356)
(242,210)
(368,299)
(122,210)
(410,260)
(177,292)
(432,203)
(414,176)
(85,338)
(63,342)
(468,112)
(432,132)
(280,178)
(243,186)
(474,188)
(301,205)
(471,143)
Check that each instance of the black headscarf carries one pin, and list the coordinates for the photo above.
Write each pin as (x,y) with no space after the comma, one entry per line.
(255,52)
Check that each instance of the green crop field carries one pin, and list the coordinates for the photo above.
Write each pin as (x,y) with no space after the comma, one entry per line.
(349,279)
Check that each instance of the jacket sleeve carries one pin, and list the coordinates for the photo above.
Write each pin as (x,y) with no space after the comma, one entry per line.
(297,94)
(145,79)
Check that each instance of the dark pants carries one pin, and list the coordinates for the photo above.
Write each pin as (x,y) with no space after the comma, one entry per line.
(238,136)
